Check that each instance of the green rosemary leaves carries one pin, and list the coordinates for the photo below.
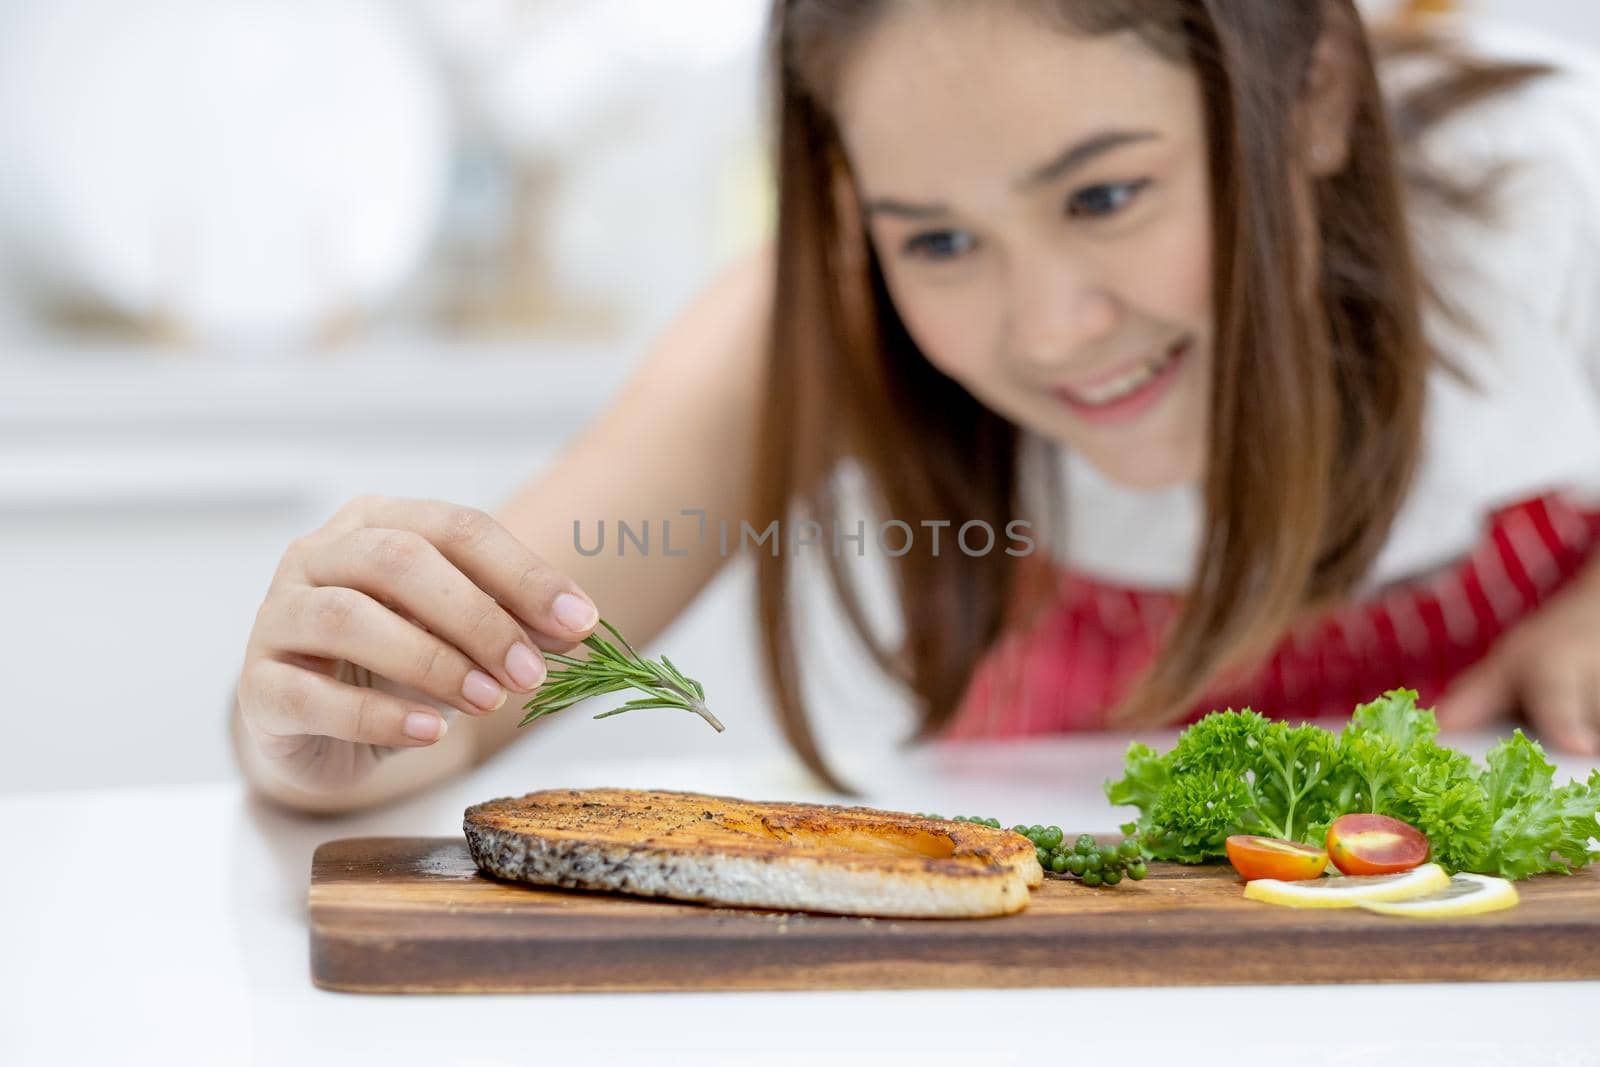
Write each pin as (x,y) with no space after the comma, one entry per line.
(610,669)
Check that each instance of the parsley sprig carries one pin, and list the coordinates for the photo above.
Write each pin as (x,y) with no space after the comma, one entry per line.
(610,669)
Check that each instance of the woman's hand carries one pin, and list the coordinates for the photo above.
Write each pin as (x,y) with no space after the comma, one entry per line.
(436,597)
(1548,665)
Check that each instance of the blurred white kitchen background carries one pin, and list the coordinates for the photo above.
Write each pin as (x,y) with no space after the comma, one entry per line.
(263,255)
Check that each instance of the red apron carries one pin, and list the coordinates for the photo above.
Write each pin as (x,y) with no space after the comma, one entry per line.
(1083,654)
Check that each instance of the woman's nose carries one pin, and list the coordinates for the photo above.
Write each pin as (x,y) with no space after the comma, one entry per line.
(1056,314)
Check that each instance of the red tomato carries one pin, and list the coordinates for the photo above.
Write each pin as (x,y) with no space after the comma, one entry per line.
(1375,844)
(1272,857)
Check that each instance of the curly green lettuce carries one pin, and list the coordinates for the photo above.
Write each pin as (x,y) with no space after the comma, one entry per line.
(1237,772)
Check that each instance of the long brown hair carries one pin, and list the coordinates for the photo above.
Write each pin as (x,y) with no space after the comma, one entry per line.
(1316,406)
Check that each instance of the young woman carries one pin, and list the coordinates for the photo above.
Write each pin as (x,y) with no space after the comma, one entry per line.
(1291,369)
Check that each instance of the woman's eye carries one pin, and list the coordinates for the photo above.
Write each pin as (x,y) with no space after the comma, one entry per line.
(939,244)
(1098,201)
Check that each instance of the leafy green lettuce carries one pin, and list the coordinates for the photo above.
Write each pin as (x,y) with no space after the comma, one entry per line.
(1237,772)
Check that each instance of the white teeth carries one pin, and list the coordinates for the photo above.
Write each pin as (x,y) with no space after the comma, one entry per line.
(1125,386)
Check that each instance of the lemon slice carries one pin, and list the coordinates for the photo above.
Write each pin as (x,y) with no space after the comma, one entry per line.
(1467,894)
(1351,890)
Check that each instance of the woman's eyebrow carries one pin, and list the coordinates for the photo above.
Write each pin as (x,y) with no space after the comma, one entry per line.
(904,209)
(1081,152)
(1074,156)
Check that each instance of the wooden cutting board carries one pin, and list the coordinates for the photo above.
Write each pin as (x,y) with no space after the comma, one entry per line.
(414,915)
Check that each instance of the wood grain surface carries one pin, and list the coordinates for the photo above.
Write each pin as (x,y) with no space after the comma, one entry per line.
(414,915)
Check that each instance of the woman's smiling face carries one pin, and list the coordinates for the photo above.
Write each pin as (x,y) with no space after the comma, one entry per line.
(1039,204)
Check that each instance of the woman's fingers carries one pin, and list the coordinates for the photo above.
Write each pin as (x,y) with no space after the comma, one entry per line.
(341,623)
(1549,667)
(403,570)
(291,701)
(1559,697)
(486,552)
(440,599)
(1479,696)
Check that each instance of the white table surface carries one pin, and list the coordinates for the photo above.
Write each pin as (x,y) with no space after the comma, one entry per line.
(167,925)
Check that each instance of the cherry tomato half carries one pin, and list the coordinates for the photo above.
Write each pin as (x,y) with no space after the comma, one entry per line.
(1272,857)
(1375,844)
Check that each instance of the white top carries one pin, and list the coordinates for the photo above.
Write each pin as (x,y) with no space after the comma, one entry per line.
(169,928)
(1530,281)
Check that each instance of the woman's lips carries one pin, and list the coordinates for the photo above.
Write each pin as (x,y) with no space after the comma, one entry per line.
(1110,400)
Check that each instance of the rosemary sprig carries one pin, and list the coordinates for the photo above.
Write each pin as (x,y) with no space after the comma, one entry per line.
(609,669)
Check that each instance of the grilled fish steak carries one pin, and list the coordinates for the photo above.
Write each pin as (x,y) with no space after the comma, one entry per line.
(724,850)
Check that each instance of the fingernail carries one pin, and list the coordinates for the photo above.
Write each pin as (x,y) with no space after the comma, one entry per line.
(424,726)
(483,691)
(575,613)
(525,668)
